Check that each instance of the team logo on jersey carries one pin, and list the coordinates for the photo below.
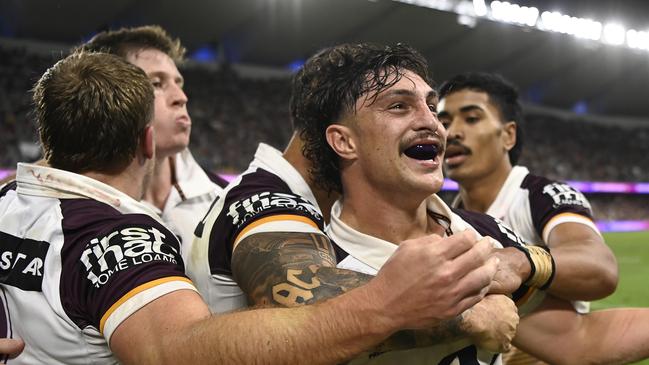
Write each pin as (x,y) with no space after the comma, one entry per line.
(564,194)
(123,249)
(242,210)
(21,262)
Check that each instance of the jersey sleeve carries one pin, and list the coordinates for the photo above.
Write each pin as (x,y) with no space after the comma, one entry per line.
(117,267)
(260,202)
(553,203)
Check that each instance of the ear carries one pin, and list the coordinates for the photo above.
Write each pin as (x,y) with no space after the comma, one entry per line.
(341,140)
(509,135)
(148,142)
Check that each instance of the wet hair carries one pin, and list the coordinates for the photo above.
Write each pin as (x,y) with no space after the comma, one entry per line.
(502,94)
(91,110)
(123,41)
(327,88)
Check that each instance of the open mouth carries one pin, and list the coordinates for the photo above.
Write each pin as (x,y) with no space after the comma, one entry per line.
(421,151)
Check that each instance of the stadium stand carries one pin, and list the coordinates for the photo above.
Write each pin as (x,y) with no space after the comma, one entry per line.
(232,112)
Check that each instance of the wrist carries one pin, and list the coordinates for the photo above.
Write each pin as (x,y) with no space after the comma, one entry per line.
(372,310)
(541,266)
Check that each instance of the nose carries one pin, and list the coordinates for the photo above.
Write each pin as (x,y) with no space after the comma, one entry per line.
(428,120)
(178,96)
(454,130)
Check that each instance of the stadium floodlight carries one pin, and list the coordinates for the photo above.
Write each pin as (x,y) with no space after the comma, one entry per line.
(552,21)
(566,24)
(479,7)
(587,28)
(637,39)
(512,13)
(613,34)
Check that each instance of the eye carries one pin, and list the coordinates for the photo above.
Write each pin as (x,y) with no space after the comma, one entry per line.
(472,119)
(432,108)
(397,106)
(156,82)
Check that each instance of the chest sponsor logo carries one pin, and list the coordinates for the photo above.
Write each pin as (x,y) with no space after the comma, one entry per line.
(123,249)
(242,210)
(21,262)
(564,194)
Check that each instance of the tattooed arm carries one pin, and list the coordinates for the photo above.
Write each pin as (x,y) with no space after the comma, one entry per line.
(292,268)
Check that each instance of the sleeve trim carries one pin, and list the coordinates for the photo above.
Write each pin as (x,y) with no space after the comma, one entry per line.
(567,218)
(134,292)
(274,218)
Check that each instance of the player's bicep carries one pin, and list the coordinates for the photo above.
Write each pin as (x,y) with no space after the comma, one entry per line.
(149,335)
(571,233)
(290,268)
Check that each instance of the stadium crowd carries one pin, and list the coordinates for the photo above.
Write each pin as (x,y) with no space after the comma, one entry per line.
(243,111)
(232,113)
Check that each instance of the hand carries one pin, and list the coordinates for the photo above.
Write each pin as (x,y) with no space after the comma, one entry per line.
(430,279)
(513,269)
(492,323)
(11,347)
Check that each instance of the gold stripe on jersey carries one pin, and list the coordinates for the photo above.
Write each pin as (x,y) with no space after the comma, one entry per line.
(275,218)
(134,292)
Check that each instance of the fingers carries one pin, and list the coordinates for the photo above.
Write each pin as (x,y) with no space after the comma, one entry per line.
(457,244)
(474,286)
(475,257)
(11,347)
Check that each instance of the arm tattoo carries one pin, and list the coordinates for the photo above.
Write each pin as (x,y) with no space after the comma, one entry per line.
(295,268)
(290,268)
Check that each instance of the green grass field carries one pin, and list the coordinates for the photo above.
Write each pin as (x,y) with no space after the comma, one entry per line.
(632,252)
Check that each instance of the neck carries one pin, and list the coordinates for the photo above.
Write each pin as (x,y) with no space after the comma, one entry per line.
(387,215)
(129,181)
(293,154)
(161,182)
(478,194)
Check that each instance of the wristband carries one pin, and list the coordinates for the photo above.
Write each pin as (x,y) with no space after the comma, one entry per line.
(542,266)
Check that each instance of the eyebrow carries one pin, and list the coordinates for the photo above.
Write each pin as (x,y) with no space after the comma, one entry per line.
(464,109)
(432,94)
(176,78)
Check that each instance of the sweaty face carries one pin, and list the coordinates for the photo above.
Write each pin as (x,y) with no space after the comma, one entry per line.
(171,121)
(399,142)
(476,144)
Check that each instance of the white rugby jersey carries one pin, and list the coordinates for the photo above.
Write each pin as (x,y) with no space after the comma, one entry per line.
(360,252)
(77,258)
(533,206)
(270,196)
(182,212)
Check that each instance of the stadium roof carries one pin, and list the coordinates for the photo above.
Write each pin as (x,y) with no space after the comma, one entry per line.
(551,69)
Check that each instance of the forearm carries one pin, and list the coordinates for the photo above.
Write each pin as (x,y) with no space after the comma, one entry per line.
(558,335)
(326,333)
